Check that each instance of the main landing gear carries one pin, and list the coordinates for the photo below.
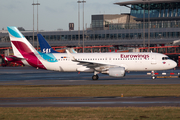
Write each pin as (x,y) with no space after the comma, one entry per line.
(95,76)
(153,75)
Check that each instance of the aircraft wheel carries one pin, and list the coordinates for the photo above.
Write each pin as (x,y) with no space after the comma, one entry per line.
(95,77)
(153,77)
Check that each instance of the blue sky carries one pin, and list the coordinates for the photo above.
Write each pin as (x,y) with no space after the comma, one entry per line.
(53,14)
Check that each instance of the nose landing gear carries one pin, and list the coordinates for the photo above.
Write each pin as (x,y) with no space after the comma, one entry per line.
(153,75)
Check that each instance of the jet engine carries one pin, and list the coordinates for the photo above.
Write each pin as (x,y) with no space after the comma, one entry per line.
(117,72)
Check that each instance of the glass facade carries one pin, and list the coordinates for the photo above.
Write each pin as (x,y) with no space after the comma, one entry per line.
(133,31)
(169,29)
(158,30)
(156,10)
(97,23)
(151,25)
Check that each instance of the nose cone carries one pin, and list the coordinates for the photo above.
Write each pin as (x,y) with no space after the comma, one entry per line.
(173,64)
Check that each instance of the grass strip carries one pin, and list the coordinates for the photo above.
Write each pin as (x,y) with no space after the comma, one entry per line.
(89,90)
(87,113)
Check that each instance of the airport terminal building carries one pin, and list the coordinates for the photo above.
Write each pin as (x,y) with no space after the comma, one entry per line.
(149,23)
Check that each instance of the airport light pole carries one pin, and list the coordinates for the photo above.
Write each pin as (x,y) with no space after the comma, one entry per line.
(144,26)
(33,23)
(83,24)
(37,21)
(78,23)
(149,27)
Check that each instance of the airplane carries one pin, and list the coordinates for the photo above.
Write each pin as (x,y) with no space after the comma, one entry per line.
(112,64)
(45,47)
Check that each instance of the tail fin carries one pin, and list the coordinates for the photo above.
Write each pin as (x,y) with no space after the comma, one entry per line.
(19,43)
(45,47)
(23,49)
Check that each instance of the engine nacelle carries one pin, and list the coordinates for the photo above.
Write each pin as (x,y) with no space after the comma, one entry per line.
(117,72)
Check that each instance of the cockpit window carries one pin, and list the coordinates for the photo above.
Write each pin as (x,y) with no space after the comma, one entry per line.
(165,58)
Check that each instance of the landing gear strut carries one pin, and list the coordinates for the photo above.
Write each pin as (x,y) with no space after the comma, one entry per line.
(153,75)
(95,76)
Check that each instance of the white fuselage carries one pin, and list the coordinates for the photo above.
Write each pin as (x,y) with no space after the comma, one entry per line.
(130,61)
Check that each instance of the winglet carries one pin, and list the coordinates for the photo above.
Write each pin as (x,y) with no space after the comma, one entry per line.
(70,55)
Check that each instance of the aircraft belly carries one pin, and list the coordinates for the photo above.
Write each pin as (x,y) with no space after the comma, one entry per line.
(141,66)
(51,66)
(70,67)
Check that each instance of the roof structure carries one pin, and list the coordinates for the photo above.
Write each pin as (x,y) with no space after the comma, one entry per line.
(145,1)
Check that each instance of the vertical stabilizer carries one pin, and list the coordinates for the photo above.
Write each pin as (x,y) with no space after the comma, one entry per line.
(19,43)
(23,49)
(45,47)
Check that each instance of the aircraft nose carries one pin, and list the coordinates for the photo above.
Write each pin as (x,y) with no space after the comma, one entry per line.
(174,64)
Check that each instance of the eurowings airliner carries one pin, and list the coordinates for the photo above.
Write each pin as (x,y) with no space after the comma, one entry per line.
(112,64)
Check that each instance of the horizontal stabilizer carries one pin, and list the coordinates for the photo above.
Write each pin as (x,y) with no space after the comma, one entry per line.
(13,58)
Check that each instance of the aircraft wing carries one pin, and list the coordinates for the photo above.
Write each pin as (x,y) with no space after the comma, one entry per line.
(95,65)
